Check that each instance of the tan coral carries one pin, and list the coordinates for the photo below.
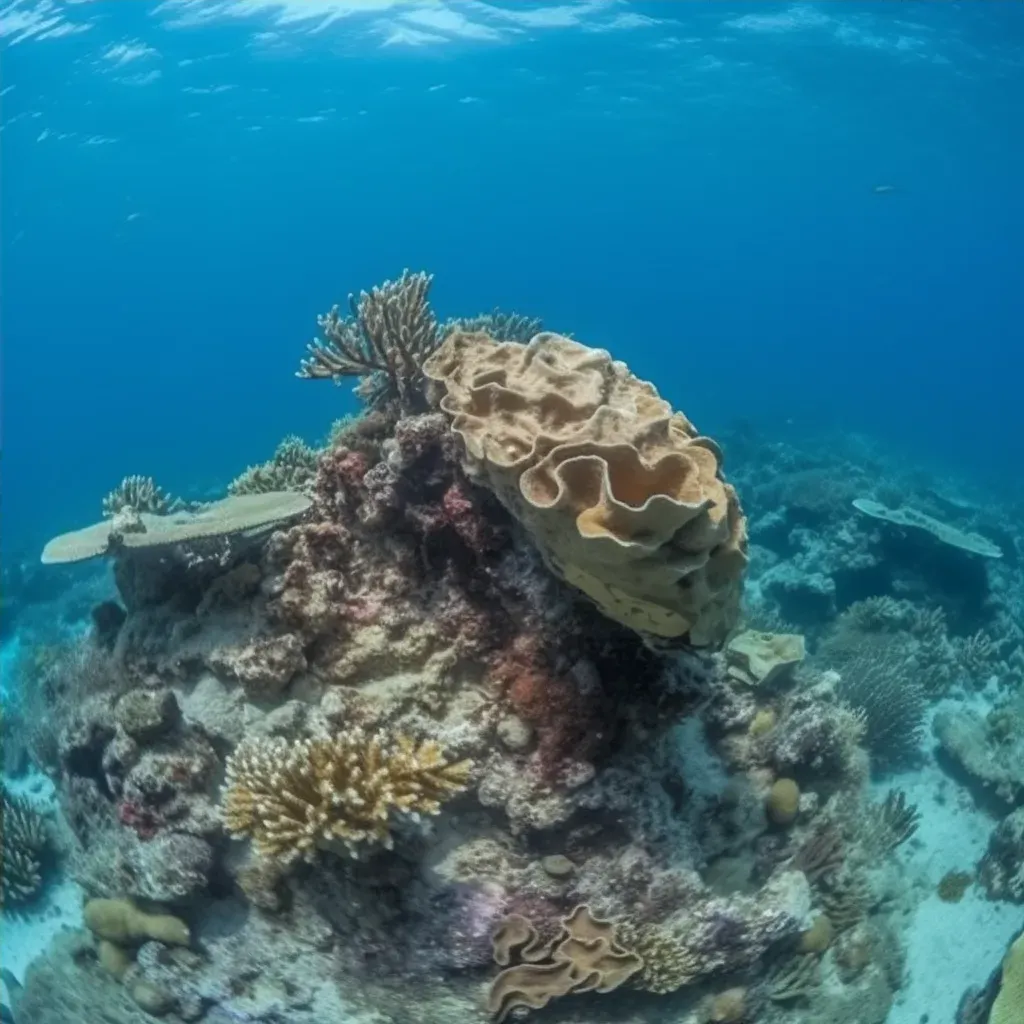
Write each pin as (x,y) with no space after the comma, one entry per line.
(294,798)
(623,497)
(757,658)
(585,957)
(240,513)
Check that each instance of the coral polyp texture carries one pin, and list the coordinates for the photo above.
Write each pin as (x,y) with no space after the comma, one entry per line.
(139,493)
(344,792)
(24,841)
(622,495)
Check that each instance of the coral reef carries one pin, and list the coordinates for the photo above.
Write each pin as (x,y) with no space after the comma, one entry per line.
(469,685)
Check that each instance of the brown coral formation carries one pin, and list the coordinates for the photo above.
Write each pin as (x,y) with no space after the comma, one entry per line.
(622,495)
(585,957)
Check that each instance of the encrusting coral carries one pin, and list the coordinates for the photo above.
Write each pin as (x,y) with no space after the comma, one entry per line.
(624,498)
(293,799)
(25,841)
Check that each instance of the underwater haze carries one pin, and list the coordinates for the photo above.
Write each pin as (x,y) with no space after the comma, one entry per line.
(695,186)
(512,510)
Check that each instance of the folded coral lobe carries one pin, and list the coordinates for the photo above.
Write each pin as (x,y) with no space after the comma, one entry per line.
(620,493)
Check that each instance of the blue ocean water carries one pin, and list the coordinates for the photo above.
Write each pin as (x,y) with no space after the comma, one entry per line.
(692,185)
(803,222)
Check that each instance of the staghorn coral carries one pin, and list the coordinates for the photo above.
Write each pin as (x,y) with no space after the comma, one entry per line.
(140,494)
(25,845)
(586,956)
(291,468)
(623,497)
(343,793)
(390,331)
(1001,870)
(499,325)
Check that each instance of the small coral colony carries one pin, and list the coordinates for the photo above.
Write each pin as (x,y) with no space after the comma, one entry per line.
(466,715)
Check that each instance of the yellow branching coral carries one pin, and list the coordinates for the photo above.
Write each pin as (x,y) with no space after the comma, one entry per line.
(337,794)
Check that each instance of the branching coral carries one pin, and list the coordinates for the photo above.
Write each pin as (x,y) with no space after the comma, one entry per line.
(390,332)
(794,979)
(24,839)
(139,493)
(292,468)
(342,793)
(499,325)
(846,899)
(890,823)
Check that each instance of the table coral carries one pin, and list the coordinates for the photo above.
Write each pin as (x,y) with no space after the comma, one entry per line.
(341,793)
